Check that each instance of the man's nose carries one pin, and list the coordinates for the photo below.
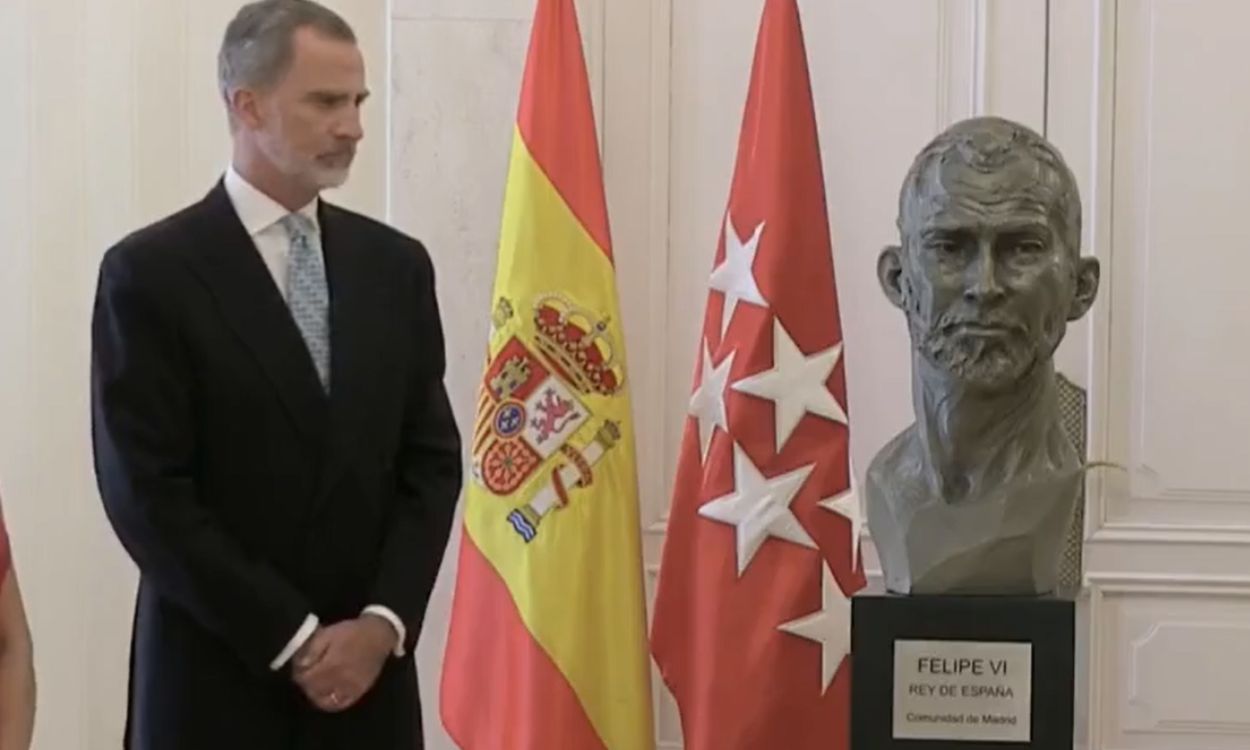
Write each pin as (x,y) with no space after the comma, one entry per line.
(349,126)
(982,283)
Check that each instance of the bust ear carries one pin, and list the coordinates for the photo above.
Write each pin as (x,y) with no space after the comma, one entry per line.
(890,274)
(1088,273)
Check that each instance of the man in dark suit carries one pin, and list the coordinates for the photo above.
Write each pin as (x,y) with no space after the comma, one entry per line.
(273,441)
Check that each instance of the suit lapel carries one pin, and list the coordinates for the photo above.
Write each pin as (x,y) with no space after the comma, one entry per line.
(357,315)
(229,264)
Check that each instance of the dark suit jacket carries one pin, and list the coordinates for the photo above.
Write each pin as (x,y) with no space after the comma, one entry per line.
(249,498)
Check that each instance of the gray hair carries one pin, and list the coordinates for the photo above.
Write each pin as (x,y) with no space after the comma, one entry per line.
(258,45)
(987,144)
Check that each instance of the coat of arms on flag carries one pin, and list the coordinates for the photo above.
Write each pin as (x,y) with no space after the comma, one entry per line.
(532,404)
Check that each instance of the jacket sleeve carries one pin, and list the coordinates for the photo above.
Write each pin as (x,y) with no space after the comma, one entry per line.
(145,454)
(428,469)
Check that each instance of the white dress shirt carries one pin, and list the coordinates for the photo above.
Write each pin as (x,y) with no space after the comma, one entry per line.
(262,217)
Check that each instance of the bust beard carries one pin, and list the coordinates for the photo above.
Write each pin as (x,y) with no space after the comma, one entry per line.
(976,496)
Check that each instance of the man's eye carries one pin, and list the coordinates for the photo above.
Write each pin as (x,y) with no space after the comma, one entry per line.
(1030,247)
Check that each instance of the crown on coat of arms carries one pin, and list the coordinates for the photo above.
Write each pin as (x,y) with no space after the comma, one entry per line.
(578,343)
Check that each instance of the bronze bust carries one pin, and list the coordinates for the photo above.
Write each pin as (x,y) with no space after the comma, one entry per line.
(977,495)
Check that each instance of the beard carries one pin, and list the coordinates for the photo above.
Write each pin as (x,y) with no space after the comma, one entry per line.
(325,172)
(328,177)
(319,172)
(983,351)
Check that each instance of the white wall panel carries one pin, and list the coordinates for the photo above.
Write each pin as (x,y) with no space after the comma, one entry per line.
(1140,96)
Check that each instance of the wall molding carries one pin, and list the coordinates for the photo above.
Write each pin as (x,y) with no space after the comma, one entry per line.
(1140,697)
(1100,176)
(1175,584)
(659,190)
(595,44)
(1137,533)
(961,60)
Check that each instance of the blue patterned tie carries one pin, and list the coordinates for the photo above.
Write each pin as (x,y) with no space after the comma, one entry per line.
(307,294)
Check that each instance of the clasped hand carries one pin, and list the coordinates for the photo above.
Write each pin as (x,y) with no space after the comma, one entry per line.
(340,662)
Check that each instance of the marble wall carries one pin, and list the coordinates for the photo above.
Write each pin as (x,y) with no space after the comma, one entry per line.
(455,77)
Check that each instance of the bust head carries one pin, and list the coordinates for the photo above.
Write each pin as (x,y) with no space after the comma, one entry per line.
(988,270)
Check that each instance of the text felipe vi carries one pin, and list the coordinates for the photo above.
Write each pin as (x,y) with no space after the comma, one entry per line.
(963,665)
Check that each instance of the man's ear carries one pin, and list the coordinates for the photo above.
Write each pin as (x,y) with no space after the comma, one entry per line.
(245,106)
(890,274)
(1088,273)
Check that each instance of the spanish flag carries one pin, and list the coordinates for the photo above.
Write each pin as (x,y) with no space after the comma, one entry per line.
(547,646)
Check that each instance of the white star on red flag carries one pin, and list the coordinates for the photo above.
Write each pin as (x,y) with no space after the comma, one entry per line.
(759,508)
(849,505)
(707,404)
(830,626)
(735,276)
(796,384)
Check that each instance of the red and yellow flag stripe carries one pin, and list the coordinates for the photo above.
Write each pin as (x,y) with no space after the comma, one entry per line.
(547,646)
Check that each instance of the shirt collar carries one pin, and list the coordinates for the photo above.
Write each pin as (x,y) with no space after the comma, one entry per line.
(256,210)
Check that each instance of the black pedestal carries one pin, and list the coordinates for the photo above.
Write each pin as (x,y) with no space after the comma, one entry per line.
(974,673)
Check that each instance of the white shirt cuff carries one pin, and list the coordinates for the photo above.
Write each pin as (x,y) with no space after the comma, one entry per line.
(401,633)
(301,637)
